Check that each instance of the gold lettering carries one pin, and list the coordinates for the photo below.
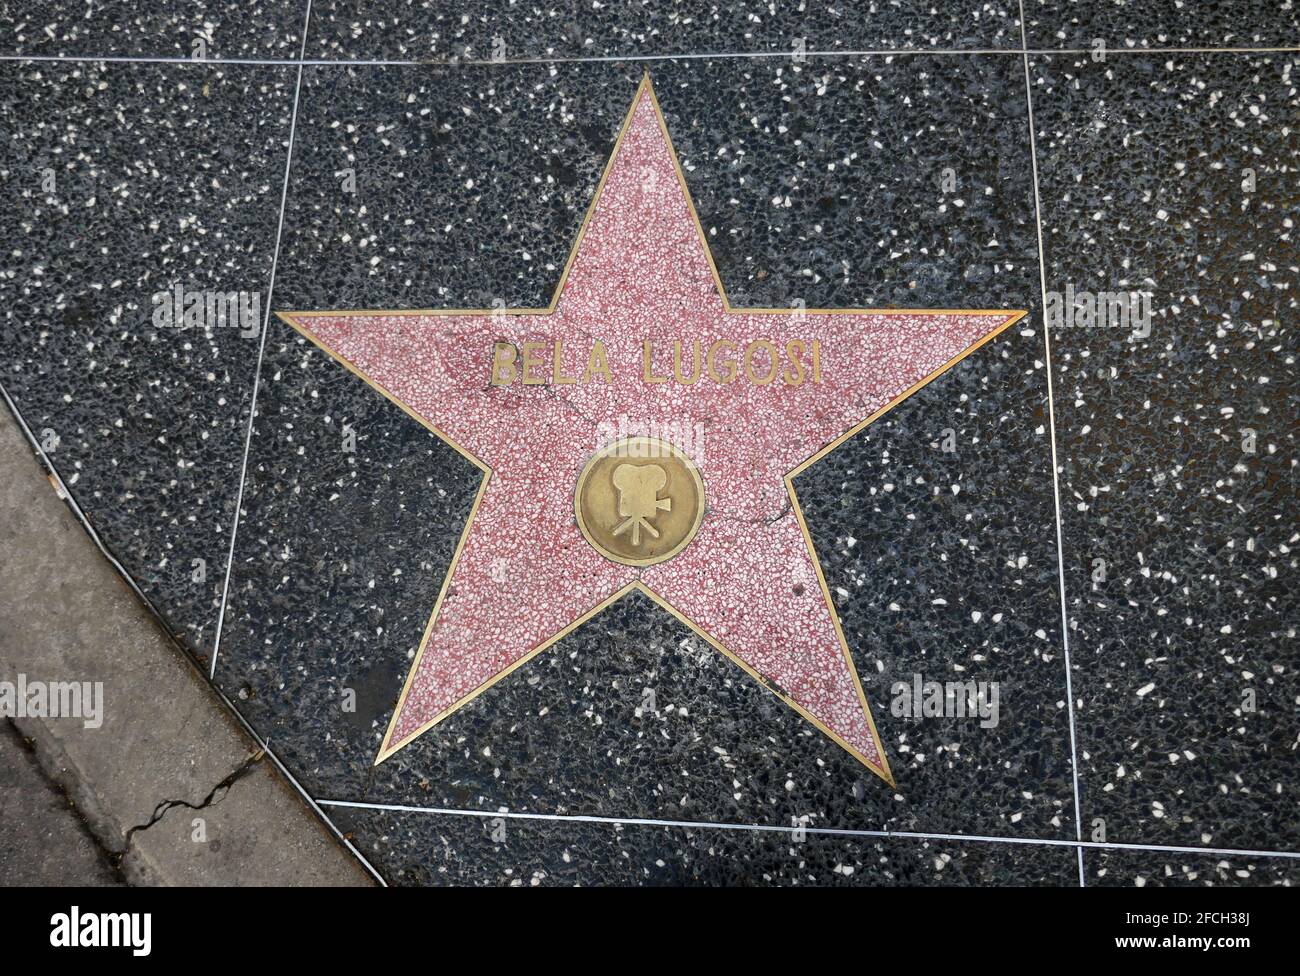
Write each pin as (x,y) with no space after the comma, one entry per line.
(677,363)
(557,369)
(749,362)
(723,362)
(597,362)
(711,362)
(532,362)
(503,364)
(793,375)
(647,369)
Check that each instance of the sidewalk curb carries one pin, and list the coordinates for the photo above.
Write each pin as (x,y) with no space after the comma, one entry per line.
(168,744)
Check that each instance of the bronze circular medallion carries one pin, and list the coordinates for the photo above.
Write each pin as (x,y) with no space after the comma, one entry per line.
(639,501)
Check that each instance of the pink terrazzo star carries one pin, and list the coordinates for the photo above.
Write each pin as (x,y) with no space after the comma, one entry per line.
(641,275)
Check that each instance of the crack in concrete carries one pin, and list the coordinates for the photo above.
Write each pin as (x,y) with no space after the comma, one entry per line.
(215,796)
(552,392)
(786,509)
(111,859)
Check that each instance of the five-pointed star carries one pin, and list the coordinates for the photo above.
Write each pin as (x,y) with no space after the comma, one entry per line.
(640,275)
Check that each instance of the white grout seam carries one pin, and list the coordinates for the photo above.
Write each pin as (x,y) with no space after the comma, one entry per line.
(265,746)
(1056,481)
(66,495)
(636,58)
(261,350)
(71,501)
(824,831)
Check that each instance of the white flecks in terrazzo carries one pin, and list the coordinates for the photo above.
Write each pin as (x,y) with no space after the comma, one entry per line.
(1183,631)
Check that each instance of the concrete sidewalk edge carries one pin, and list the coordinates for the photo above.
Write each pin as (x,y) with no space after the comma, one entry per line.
(174,783)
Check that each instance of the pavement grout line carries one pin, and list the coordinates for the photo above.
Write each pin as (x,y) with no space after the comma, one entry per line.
(1051,429)
(265,746)
(616,58)
(261,350)
(164,626)
(825,831)
(66,495)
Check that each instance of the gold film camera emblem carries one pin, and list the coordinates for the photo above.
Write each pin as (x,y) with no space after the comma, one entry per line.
(638,498)
(639,501)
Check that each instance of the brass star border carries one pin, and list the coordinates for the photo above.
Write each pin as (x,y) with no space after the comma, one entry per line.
(388,747)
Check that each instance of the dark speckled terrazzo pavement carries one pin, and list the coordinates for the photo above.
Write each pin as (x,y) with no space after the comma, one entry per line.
(1197,612)
(120,180)
(1129,24)
(510,851)
(424,30)
(259,29)
(1155,868)
(628,752)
